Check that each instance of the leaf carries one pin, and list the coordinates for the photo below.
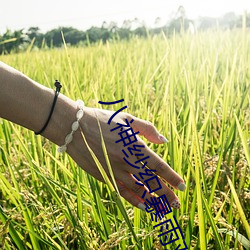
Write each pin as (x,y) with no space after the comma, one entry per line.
(239,207)
(242,239)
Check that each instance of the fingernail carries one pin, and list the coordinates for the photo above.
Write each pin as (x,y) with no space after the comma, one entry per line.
(163,138)
(175,204)
(141,206)
(182,186)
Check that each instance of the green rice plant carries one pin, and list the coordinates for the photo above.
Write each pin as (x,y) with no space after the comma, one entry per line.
(194,88)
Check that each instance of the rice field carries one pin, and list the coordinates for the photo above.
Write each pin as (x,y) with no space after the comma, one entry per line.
(196,91)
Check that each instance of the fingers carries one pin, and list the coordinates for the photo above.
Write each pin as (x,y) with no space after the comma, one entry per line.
(137,193)
(154,184)
(148,130)
(164,170)
(132,192)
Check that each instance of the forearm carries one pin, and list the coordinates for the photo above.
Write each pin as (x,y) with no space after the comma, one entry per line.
(27,103)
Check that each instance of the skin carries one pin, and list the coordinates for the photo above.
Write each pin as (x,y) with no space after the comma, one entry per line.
(28,103)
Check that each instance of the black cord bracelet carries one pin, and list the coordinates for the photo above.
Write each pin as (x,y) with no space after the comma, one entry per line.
(58,87)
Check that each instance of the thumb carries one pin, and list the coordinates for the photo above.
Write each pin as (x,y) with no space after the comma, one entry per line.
(148,130)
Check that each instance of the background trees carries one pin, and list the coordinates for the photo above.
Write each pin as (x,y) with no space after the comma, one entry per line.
(14,41)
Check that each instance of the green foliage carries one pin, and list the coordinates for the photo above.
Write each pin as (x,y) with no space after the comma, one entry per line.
(194,88)
(13,41)
(20,41)
(71,35)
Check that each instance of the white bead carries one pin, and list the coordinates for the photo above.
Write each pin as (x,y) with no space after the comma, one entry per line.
(62,149)
(69,138)
(75,126)
(80,103)
(79,114)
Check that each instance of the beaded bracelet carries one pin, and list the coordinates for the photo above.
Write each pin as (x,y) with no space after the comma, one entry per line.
(74,127)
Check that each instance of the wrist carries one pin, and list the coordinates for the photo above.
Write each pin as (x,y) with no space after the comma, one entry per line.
(61,120)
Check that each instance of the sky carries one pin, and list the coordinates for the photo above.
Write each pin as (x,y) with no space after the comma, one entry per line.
(81,14)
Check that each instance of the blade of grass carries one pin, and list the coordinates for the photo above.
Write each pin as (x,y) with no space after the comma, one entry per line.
(12,231)
(242,239)
(239,207)
(114,193)
(211,219)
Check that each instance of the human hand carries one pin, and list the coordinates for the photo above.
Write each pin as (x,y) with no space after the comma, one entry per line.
(123,172)
(21,98)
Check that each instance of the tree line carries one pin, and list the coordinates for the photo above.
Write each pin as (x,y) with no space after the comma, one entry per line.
(20,40)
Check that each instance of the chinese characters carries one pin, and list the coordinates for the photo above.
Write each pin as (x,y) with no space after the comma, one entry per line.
(170,230)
